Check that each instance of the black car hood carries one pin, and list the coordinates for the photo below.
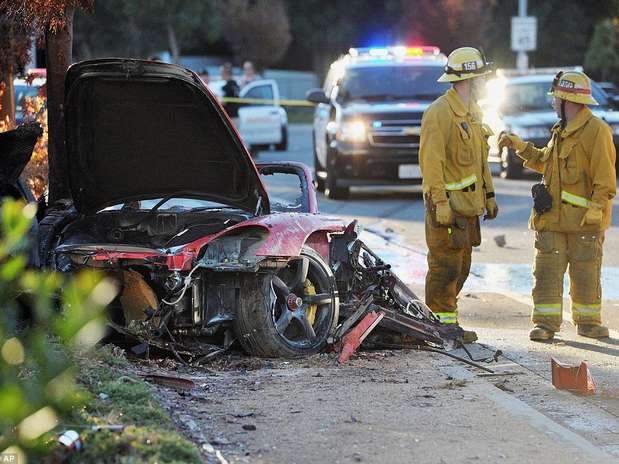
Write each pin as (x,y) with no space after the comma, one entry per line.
(139,129)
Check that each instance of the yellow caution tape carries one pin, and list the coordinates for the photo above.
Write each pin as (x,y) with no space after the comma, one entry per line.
(260,101)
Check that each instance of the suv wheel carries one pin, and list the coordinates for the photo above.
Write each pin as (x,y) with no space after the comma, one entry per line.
(320,181)
(283,144)
(332,190)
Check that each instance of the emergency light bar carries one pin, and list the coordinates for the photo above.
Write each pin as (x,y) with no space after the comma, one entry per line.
(400,51)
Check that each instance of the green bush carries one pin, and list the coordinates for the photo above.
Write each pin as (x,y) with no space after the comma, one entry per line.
(37,377)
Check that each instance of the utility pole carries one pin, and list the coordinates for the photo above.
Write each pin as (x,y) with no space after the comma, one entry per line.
(522,59)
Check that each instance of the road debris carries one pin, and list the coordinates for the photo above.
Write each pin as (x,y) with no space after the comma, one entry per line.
(577,379)
(169,381)
(69,443)
(500,240)
(372,296)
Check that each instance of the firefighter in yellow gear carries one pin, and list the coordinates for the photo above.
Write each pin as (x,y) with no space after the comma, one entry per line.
(457,182)
(578,165)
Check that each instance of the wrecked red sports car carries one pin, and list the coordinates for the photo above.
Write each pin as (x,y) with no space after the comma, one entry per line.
(167,199)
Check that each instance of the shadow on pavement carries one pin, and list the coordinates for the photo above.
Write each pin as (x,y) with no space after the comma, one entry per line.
(597,348)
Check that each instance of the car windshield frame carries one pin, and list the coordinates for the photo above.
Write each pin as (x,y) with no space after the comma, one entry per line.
(542,88)
(391,82)
(172,204)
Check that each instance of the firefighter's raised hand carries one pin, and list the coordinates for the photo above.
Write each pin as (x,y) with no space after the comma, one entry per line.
(444,214)
(511,141)
(492,209)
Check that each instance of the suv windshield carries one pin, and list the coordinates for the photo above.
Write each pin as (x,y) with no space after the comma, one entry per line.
(533,96)
(392,82)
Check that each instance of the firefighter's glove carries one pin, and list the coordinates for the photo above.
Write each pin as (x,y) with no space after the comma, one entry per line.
(444,214)
(593,216)
(492,209)
(511,141)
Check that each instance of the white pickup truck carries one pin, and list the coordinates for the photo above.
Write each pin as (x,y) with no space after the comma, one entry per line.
(260,125)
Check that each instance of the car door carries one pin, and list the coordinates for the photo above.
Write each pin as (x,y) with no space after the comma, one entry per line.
(290,187)
(260,123)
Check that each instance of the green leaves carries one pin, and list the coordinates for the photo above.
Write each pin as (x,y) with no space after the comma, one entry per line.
(602,57)
(37,378)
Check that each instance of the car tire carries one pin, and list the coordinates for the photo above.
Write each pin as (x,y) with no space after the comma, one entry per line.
(512,166)
(283,145)
(264,324)
(331,188)
(49,229)
(320,181)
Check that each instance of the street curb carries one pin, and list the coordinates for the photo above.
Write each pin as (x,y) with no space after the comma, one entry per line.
(556,432)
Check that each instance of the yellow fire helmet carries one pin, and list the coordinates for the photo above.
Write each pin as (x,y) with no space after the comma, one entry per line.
(465,63)
(573,86)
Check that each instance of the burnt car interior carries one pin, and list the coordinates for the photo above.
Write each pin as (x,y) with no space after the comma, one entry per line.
(160,226)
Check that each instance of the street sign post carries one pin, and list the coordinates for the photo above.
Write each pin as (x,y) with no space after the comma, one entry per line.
(524,33)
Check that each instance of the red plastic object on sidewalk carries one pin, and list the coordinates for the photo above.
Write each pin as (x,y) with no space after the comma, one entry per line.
(574,378)
(353,339)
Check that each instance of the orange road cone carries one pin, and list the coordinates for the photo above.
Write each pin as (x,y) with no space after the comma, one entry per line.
(574,378)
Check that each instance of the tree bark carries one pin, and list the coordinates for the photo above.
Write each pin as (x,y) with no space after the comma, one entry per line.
(7,102)
(58,51)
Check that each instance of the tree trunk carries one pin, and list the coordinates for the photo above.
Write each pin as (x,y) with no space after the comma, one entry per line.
(7,101)
(58,52)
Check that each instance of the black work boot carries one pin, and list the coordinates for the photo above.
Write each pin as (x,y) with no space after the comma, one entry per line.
(592,331)
(469,336)
(541,334)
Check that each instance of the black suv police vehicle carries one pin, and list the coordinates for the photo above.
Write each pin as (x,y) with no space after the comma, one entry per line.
(368,116)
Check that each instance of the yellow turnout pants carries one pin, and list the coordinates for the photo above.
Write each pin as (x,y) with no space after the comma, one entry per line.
(449,263)
(554,252)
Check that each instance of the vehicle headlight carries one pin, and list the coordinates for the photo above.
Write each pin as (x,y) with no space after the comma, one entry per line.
(352,131)
(615,128)
(535,132)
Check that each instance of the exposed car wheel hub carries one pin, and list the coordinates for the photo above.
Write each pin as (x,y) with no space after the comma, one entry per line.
(294,302)
(303,303)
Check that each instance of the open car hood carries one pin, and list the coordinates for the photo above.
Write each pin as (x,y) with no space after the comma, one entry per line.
(139,129)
